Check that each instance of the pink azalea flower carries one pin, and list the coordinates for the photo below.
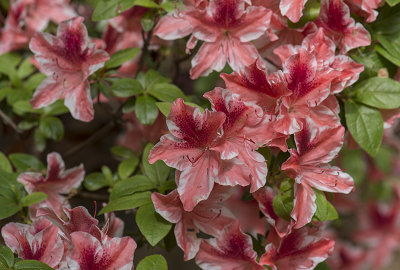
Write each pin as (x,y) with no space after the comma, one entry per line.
(292,9)
(302,249)
(114,226)
(57,181)
(265,197)
(308,166)
(68,60)
(241,123)
(310,86)
(366,8)
(208,216)
(226,27)
(72,220)
(25,17)
(231,250)
(89,253)
(190,148)
(39,241)
(335,18)
(323,48)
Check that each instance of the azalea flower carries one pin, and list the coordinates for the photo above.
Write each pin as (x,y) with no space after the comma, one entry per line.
(26,17)
(192,149)
(302,249)
(335,18)
(366,8)
(292,9)
(39,241)
(225,26)
(241,123)
(68,60)
(88,252)
(208,216)
(58,181)
(231,250)
(308,166)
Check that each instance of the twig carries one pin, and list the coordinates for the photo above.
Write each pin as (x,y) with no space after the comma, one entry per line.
(97,135)
(93,196)
(10,122)
(145,48)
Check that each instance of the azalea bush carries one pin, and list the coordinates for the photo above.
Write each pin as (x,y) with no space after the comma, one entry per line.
(195,134)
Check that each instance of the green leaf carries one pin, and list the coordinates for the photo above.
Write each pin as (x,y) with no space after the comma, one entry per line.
(147,21)
(392,3)
(129,106)
(137,183)
(95,181)
(5,165)
(151,224)
(283,202)
(6,257)
(127,167)
(105,9)
(383,93)
(157,172)
(25,68)
(146,3)
(122,151)
(164,107)
(127,202)
(30,265)
(389,48)
(146,110)
(166,92)
(153,262)
(55,108)
(25,162)
(322,266)
(383,159)
(51,127)
(121,57)
(23,106)
(325,210)
(365,125)
(107,174)
(126,87)
(33,198)
(152,77)
(8,207)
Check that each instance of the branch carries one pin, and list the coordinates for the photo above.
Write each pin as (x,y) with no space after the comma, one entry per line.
(7,120)
(145,48)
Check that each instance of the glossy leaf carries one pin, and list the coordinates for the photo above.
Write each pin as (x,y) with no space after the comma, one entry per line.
(153,262)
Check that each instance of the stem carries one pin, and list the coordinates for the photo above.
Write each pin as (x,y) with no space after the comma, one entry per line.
(7,120)
(145,48)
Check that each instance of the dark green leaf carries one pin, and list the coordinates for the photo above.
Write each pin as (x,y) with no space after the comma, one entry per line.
(131,185)
(122,151)
(8,207)
(6,258)
(33,198)
(392,3)
(121,57)
(147,21)
(127,202)
(283,202)
(127,167)
(153,262)
(5,165)
(365,125)
(383,93)
(30,265)
(157,172)
(164,107)
(51,127)
(166,92)
(146,110)
(151,224)
(129,106)
(95,181)
(25,162)
(322,266)
(126,87)
(354,164)
(325,210)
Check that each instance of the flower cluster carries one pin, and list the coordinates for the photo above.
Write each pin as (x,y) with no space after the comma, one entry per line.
(249,178)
